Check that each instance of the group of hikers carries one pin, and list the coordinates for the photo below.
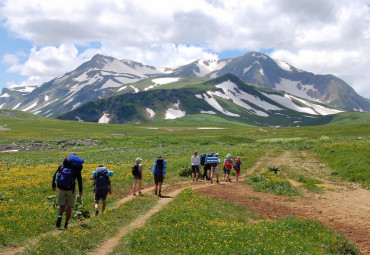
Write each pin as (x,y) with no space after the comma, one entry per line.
(70,170)
(211,164)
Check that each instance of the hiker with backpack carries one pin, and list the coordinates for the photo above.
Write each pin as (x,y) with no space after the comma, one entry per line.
(206,166)
(102,186)
(138,174)
(195,166)
(159,172)
(65,179)
(237,166)
(214,162)
(228,165)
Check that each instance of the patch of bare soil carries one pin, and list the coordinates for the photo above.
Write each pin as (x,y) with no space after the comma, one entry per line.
(344,208)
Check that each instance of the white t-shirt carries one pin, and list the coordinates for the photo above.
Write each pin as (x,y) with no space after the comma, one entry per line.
(195,161)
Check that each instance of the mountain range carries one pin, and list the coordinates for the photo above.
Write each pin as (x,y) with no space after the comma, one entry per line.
(253,86)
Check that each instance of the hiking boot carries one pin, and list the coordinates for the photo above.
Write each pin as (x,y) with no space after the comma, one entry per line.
(134,194)
(218,181)
(197,180)
(159,194)
(59,221)
(211,181)
(155,192)
(96,212)
(66,225)
(140,192)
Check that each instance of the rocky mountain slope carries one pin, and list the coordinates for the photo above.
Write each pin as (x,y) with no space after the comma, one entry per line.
(103,76)
(226,97)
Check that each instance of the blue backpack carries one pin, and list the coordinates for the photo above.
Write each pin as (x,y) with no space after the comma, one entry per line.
(65,179)
(101,179)
(75,160)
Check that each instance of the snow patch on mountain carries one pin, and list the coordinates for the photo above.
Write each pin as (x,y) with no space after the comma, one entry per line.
(104,119)
(161,81)
(261,71)
(259,56)
(16,107)
(318,108)
(239,97)
(81,78)
(247,69)
(117,66)
(135,89)
(208,97)
(207,66)
(69,101)
(283,65)
(122,88)
(123,79)
(27,89)
(288,103)
(5,95)
(75,106)
(111,84)
(143,69)
(174,112)
(207,112)
(30,107)
(150,112)
(2,105)
(165,80)
(297,88)
(38,109)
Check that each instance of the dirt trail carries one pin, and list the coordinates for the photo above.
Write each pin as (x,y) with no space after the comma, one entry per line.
(344,208)
(108,246)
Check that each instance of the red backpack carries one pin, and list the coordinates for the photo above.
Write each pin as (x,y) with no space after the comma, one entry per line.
(228,164)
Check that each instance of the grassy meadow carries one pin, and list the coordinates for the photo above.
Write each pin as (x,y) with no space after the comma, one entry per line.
(32,148)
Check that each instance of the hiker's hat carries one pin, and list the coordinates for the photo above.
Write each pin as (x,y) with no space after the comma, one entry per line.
(228,155)
(138,159)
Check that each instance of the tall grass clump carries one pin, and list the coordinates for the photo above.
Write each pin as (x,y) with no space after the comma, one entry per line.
(268,181)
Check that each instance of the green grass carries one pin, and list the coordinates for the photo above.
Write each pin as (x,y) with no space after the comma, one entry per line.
(26,175)
(349,160)
(82,238)
(272,183)
(197,224)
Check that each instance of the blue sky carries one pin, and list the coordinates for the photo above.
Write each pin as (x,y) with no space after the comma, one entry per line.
(41,40)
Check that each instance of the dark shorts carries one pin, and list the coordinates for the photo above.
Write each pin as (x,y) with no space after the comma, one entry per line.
(195,169)
(158,178)
(101,194)
(227,170)
(207,167)
(137,177)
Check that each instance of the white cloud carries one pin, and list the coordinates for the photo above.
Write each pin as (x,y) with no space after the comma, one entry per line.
(10,59)
(322,36)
